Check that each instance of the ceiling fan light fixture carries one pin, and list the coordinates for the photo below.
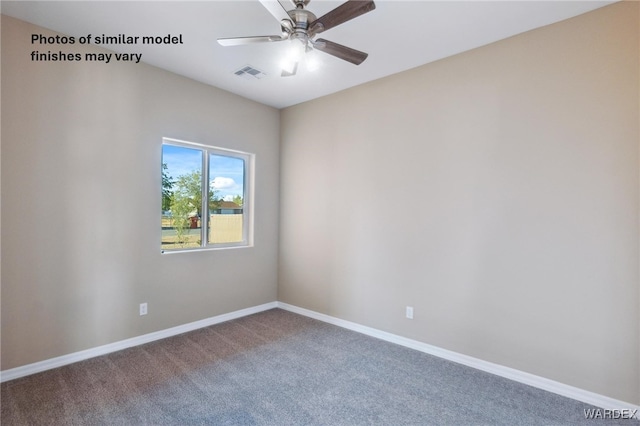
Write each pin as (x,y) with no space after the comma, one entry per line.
(312,61)
(294,54)
(297,48)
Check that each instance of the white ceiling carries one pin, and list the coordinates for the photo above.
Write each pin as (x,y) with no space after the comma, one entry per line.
(398,35)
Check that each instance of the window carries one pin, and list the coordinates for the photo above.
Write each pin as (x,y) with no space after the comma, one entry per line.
(205,196)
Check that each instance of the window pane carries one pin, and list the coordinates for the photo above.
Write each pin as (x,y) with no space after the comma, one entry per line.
(226,199)
(181,197)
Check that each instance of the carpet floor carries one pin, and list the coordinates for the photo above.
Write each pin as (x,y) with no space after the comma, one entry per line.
(279,368)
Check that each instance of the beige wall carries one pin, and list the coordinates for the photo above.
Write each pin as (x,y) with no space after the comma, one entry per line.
(496,192)
(81,154)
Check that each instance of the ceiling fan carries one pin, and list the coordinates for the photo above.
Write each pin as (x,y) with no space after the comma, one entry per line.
(301,26)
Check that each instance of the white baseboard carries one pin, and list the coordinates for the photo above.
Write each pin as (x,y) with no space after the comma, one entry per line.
(499,370)
(48,364)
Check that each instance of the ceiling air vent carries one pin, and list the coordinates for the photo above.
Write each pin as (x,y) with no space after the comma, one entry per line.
(250,73)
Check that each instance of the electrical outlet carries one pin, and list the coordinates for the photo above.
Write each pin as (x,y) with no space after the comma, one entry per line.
(410,312)
(143,309)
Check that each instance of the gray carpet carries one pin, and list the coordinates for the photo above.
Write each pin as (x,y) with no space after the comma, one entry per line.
(278,368)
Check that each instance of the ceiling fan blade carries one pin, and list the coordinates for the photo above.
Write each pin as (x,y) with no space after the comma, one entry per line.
(339,51)
(238,41)
(275,8)
(341,14)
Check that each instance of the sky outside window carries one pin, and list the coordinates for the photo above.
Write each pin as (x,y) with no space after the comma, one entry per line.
(180,160)
(226,174)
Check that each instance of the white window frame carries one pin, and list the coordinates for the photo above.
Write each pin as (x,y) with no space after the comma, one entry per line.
(247,196)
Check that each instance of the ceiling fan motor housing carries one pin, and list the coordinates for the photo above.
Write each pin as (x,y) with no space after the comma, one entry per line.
(301,19)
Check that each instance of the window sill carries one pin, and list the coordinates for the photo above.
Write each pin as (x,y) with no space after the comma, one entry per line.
(192,250)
